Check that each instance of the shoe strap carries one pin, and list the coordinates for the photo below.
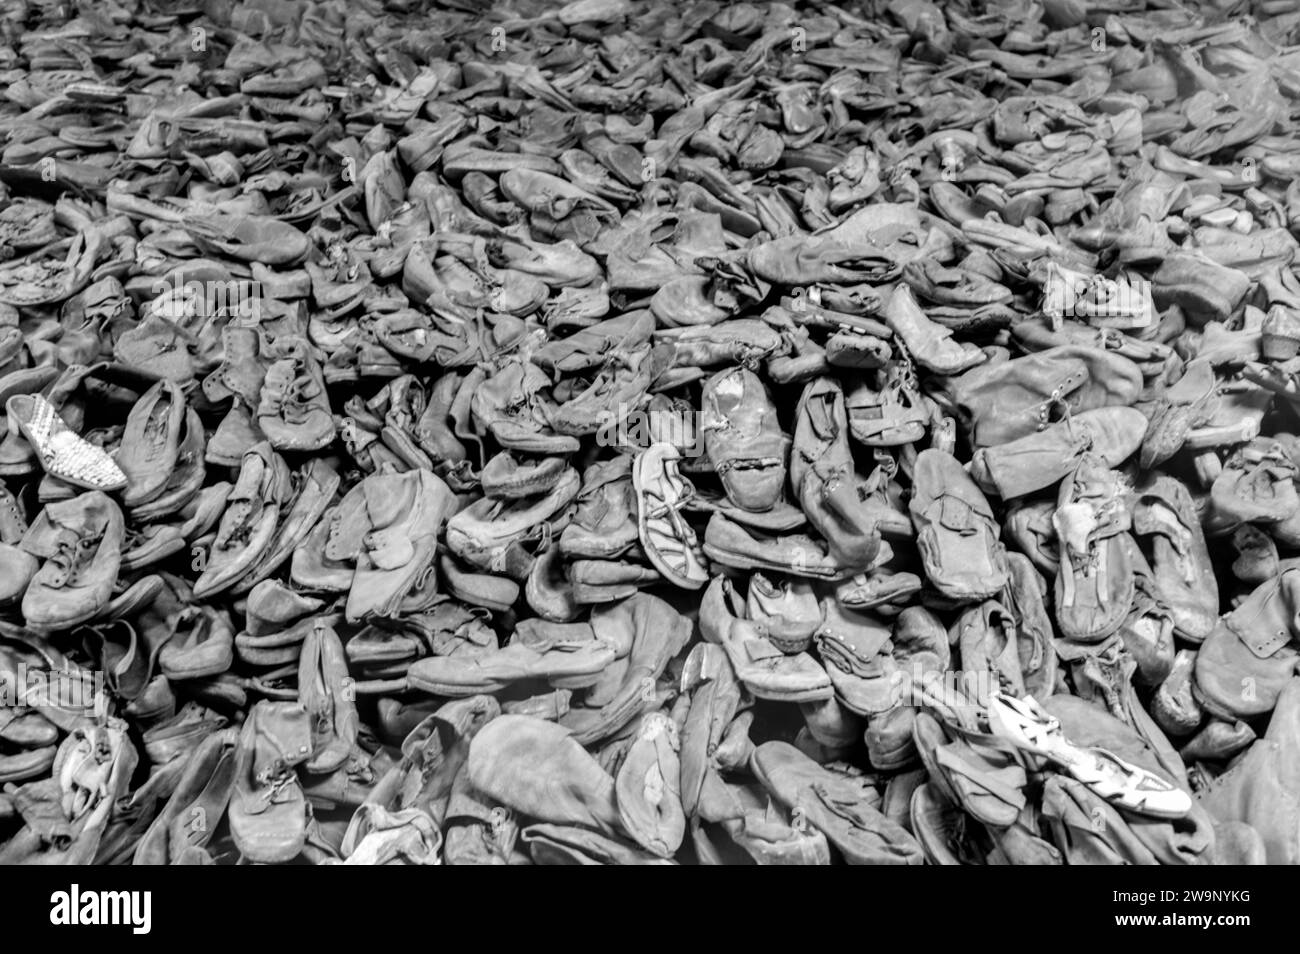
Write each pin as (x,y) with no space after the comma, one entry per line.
(681,529)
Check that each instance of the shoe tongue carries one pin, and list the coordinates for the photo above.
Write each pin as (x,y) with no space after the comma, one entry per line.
(822,418)
(1196,382)
(729,392)
(388,496)
(847,801)
(506,331)
(389,549)
(1074,524)
(761,650)
(543,636)
(958,516)
(283,740)
(62,559)
(77,514)
(699,234)
(155,434)
(272,606)
(280,377)
(1156,517)
(865,639)
(598,475)
(254,473)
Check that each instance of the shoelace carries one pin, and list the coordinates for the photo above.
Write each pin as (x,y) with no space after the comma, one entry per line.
(297,401)
(242,529)
(1081,438)
(84,777)
(1055,402)
(906,368)
(274,780)
(69,555)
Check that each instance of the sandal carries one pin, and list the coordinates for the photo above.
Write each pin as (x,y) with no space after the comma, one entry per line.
(669,541)
(1030,727)
(61,451)
(894,415)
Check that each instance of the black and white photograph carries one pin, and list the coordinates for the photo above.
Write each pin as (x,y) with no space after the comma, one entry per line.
(650,432)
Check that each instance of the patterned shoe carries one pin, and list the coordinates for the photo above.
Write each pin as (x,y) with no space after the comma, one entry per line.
(59,449)
(669,540)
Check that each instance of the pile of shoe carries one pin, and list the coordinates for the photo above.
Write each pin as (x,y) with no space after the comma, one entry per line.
(618,432)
